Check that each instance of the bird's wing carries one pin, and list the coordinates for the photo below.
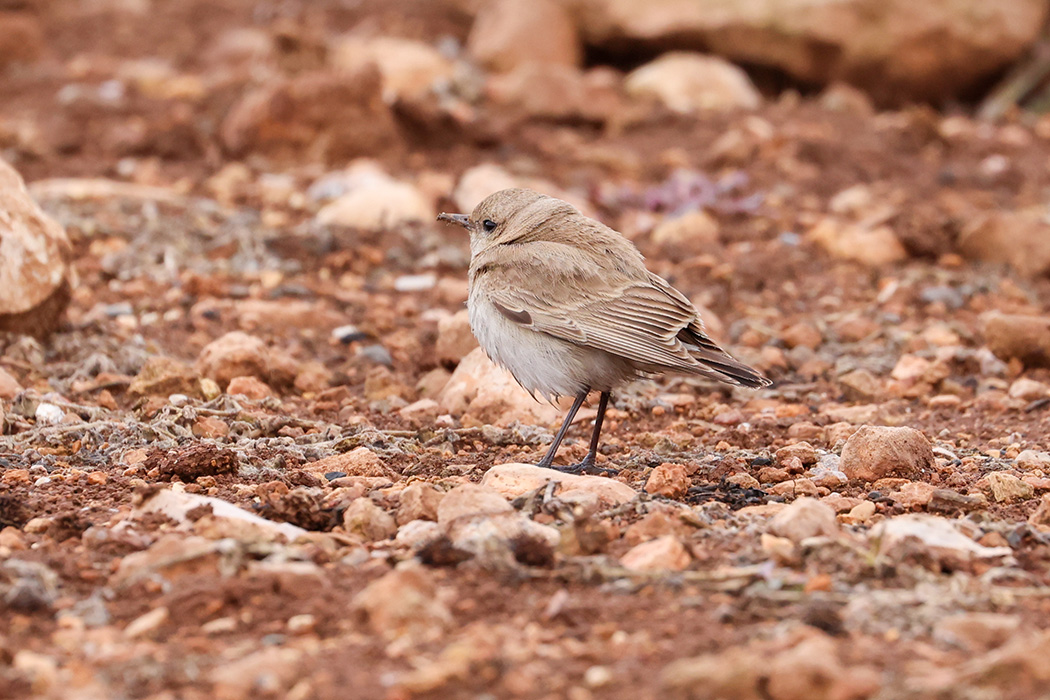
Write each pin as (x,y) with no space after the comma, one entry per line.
(643,319)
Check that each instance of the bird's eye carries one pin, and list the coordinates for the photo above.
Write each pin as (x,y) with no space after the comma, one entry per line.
(489,225)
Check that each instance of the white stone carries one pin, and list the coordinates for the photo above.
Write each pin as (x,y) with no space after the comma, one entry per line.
(692,82)
(49,414)
(416,534)
(34,258)
(927,50)
(805,517)
(377,207)
(513,480)
(942,539)
(471,499)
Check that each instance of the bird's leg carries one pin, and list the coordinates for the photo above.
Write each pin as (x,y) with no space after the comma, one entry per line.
(587,465)
(548,459)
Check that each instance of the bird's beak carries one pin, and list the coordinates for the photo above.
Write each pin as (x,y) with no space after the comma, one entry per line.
(461,219)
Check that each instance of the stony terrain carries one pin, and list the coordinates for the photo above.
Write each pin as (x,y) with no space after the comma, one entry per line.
(262,457)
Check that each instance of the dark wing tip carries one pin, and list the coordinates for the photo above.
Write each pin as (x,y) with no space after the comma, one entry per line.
(733,371)
(754,380)
(523,317)
(704,351)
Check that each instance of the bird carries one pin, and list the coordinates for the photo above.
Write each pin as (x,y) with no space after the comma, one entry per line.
(568,307)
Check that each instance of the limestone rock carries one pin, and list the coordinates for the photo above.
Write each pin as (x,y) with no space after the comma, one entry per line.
(656,524)
(35,276)
(809,669)
(422,412)
(1033,459)
(416,534)
(471,499)
(496,538)
(377,206)
(485,178)
(914,494)
(509,33)
(872,246)
(941,541)
(861,385)
(803,451)
(1028,390)
(419,501)
(276,668)
(479,182)
(404,603)
(22,36)
(235,354)
(559,92)
(365,518)
(455,339)
(802,334)
(927,51)
(732,674)
(874,452)
(9,386)
(1005,488)
(512,480)
(805,517)
(976,631)
(224,519)
(691,82)
(1040,518)
(665,553)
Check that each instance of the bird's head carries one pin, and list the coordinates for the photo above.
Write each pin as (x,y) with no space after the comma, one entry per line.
(509,216)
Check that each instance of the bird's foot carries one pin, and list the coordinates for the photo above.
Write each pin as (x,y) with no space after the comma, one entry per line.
(587,466)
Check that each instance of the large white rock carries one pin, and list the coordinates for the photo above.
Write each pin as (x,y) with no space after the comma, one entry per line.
(513,480)
(897,49)
(376,206)
(939,539)
(691,82)
(35,276)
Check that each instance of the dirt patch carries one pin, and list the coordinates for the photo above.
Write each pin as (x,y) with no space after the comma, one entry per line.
(221,133)
(190,462)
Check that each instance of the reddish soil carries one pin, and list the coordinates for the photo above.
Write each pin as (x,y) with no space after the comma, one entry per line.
(168,278)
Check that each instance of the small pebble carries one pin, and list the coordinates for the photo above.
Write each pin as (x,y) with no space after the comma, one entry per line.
(378,354)
(415,283)
(348,334)
(49,414)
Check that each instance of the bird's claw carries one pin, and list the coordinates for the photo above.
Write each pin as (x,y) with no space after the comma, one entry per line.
(585,467)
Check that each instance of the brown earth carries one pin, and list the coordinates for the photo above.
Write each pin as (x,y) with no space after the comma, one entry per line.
(255,615)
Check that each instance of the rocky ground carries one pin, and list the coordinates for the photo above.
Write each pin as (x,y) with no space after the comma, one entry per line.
(262,456)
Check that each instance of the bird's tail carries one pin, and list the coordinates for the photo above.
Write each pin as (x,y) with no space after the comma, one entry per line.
(725,368)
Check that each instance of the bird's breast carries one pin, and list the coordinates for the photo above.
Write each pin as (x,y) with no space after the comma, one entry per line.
(541,363)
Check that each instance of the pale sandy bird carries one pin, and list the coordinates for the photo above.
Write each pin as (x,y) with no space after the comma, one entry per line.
(566,304)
